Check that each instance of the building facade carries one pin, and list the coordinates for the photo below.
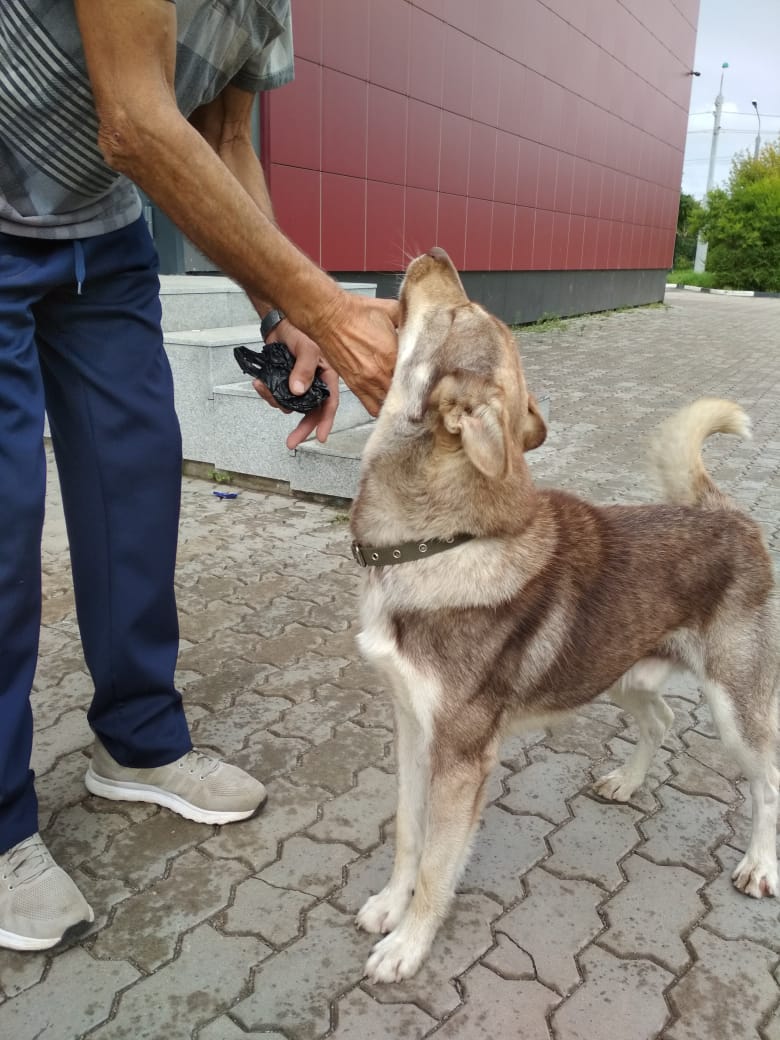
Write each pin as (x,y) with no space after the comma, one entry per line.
(540,142)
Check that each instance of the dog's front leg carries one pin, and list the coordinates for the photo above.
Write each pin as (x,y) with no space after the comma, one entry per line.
(382,912)
(456,799)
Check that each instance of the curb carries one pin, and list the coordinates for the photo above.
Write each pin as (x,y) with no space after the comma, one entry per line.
(721,292)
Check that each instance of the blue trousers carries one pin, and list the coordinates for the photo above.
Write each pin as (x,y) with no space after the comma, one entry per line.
(80,335)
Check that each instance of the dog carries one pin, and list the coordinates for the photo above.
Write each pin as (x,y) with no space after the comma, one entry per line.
(490,606)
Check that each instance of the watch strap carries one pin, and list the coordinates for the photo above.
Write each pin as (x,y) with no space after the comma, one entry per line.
(269,323)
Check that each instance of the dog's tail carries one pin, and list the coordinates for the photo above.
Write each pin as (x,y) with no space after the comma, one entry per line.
(675,452)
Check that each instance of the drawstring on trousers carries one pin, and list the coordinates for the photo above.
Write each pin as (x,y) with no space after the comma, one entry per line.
(79,264)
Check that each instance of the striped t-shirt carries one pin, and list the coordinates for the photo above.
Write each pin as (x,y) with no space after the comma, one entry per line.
(54,182)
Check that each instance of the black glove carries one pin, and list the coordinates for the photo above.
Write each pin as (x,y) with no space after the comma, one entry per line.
(273,365)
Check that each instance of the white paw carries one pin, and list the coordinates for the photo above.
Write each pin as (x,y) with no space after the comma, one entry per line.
(756,876)
(383,912)
(617,786)
(398,956)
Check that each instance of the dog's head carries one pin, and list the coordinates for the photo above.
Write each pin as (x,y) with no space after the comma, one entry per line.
(451,435)
(460,367)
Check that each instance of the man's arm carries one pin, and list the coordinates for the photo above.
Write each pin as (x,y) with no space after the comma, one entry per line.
(226,125)
(130,50)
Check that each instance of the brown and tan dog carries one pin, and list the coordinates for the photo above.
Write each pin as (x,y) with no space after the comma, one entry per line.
(540,602)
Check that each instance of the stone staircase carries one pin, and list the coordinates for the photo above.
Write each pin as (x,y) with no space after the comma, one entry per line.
(225,426)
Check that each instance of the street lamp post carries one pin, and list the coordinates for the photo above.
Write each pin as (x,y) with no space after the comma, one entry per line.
(754,103)
(700,261)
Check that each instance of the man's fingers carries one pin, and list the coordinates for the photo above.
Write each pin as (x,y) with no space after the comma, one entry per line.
(302,374)
(302,430)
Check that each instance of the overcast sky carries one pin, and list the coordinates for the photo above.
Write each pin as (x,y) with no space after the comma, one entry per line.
(746,34)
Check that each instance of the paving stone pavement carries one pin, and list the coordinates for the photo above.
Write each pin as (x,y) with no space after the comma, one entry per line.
(575,919)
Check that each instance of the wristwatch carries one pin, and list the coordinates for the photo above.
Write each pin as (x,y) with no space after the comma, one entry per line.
(269,323)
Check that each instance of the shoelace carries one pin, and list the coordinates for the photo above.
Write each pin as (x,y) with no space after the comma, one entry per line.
(27,861)
(197,762)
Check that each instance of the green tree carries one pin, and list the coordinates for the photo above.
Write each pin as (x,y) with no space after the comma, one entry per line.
(742,224)
(685,239)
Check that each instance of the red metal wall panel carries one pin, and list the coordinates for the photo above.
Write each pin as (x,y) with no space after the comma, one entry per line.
(517,134)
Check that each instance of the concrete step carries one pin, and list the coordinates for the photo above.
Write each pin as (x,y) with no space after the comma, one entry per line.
(249,437)
(200,301)
(333,468)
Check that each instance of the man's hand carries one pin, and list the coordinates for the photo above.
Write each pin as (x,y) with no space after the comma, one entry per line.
(358,338)
(307,360)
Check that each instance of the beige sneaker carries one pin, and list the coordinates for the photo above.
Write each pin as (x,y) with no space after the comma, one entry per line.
(39,904)
(196,786)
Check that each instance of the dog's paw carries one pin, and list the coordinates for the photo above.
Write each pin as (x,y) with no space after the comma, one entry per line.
(383,912)
(756,877)
(617,786)
(396,957)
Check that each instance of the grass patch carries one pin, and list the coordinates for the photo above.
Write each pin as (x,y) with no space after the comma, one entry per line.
(683,276)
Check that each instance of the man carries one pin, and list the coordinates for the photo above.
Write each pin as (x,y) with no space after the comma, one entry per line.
(95,95)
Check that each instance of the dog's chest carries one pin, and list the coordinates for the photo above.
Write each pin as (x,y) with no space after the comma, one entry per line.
(417,692)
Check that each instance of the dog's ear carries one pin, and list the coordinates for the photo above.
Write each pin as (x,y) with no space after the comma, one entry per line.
(534,426)
(473,409)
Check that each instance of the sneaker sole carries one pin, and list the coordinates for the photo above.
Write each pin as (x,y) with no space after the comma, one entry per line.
(120,791)
(26,944)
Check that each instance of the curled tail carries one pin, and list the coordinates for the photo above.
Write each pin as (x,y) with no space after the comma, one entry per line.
(675,452)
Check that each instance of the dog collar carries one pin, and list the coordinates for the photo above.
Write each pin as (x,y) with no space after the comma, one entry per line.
(387,555)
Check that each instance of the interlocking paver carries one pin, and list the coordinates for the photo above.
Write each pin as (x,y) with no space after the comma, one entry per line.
(726,992)
(266,910)
(271,677)
(210,971)
(140,853)
(334,763)
(464,937)
(582,734)
(290,808)
(224,1028)
(736,916)
(75,996)
(619,998)
(293,990)
(710,752)
(505,848)
(68,732)
(298,681)
(360,1017)
(355,816)
(495,1008)
(315,720)
(693,777)
(553,923)
(685,830)
(147,926)
(649,916)
(590,847)
(508,960)
(309,866)
(544,786)
(229,732)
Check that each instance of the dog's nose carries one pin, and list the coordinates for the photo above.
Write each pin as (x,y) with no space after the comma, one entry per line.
(437,253)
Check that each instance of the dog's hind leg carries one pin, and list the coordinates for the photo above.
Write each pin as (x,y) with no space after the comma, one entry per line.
(455,803)
(751,736)
(638,693)
(382,912)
